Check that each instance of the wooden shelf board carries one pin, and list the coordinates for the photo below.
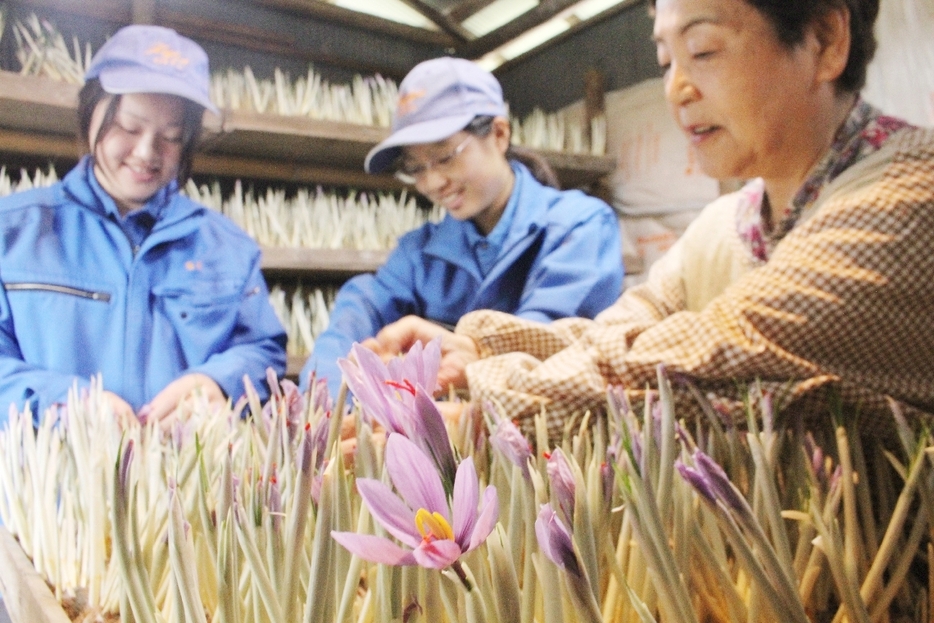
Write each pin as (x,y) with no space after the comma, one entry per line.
(285,171)
(336,262)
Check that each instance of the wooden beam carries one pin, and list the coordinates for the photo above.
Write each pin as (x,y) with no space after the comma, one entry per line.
(452,27)
(570,32)
(464,9)
(329,12)
(528,20)
(112,11)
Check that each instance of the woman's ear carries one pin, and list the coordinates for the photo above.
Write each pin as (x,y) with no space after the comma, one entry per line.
(832,30)
(501,133)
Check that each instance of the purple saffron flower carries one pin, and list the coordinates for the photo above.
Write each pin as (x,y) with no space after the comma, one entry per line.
(720,483)
(433,532)
(563,484)
(508,440)
(317,395)
(696,480)
(420,365)
(387,392)
(402,404)
(555,540)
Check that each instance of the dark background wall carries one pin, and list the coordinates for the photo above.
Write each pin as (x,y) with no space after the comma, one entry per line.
(620,47)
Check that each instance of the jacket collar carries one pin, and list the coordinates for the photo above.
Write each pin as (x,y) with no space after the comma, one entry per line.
(450,242)
(80,186)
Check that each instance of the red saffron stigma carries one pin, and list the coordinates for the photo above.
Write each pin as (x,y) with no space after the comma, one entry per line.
(406,385)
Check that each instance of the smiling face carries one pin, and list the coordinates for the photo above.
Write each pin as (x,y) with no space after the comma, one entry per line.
(141,151)
(749,104)
(474,185)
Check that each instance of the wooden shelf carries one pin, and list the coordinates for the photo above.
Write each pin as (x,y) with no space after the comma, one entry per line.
(322,262)
(37,117)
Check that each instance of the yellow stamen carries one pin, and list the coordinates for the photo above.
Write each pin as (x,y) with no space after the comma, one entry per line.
(433,526)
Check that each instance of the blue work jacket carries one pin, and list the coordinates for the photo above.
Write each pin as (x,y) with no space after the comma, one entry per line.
(560,257)
(76,299)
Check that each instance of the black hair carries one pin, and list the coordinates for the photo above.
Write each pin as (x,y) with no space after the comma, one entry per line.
(790,19)
(92,93)
(482,125)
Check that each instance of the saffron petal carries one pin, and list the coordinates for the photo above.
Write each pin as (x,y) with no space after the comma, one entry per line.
(432,434)
(486,520)
(466,496)
(437,554)
(374,549)
(391,512)
(415,476)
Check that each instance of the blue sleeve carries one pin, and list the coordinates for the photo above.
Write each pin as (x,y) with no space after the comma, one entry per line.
(580,271)
(257,343)
(364,305)
(22,383)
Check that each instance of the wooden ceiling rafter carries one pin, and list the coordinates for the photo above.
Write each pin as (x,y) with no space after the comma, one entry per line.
(332,13)
(570,32)
(450,26)
(525,22)
(466,8)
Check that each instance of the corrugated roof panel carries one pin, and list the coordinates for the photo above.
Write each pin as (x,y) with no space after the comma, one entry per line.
(394,10)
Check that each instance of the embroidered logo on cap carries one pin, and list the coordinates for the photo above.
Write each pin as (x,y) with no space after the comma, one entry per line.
(407,102)
(164,54)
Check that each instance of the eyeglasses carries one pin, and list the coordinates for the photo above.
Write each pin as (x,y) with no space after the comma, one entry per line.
(410,173)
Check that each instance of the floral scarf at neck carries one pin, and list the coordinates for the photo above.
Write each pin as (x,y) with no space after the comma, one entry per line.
(865,130)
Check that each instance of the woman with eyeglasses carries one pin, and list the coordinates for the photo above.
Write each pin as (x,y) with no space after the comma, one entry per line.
(510,241)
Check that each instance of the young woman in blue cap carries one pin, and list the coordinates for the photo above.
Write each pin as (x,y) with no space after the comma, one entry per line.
(112,271)
(509,242)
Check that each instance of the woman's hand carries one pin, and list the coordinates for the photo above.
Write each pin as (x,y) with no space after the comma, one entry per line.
(122,410)
(164,406)
(457,351)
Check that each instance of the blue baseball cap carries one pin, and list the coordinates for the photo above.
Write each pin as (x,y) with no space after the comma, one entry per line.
(436,99)
(153,59)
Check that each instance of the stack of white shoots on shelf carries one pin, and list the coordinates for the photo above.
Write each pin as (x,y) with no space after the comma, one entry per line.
(560,132)
(318,219)
(39,179)
(630,518)
(304,312)
(41,51)
(367,100)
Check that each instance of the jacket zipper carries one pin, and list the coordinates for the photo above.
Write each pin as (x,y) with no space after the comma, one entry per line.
(51,287)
